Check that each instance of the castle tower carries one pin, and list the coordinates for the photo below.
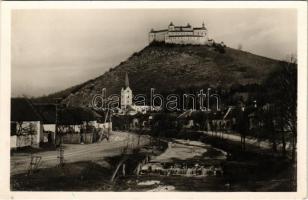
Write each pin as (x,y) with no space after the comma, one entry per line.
(126,94)
(171,27)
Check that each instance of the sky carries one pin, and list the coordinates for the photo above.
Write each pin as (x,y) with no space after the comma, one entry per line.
(56,49)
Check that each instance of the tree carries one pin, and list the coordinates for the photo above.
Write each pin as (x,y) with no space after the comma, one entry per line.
(269,126)
(282,93)
(164,124)
(201,118)
(242,126)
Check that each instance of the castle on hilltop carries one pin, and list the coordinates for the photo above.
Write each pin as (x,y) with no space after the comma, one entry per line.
(181,35)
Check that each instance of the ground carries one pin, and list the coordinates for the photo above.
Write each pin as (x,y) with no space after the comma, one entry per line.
(20,161)
(90,167)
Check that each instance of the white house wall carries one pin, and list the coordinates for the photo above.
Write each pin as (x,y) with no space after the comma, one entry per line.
(13,141)
(49,127)
(25,139)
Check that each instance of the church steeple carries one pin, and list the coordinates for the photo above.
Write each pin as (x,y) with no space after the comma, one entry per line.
(126,80)
(126,95)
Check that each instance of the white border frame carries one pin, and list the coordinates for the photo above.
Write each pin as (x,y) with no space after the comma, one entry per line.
(5,91)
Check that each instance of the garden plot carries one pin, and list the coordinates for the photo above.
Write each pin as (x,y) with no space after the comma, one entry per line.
(181,150)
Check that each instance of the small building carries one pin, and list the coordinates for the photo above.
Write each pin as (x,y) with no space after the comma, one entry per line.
(48,114)
(104,119)
(26,124)
(127,105)
(142,109)
(78,125)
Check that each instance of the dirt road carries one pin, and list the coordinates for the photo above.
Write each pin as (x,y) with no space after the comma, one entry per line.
(237,138)
(20,162)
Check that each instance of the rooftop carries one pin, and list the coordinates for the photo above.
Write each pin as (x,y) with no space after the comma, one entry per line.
(76,115)
(47,112)
(185,36)
(22,110)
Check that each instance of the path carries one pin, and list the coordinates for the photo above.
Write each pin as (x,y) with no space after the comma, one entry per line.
(237,138)
(79,152)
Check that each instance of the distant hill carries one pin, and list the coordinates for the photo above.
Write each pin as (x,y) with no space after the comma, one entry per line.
(169,67)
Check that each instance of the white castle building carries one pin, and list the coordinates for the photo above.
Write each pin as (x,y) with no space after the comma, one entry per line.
(181,35)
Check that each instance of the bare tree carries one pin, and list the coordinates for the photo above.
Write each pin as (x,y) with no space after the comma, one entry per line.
(283,95)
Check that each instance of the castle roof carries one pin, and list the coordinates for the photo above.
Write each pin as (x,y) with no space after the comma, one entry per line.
(182,31)
(185,36)
(187,26)
(157,31)
(200,28)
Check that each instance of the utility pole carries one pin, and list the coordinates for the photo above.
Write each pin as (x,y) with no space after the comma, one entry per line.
(106,117)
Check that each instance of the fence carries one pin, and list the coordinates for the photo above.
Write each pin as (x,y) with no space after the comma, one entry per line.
(77,138)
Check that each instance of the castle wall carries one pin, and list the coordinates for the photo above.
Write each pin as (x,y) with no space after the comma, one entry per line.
(187,40)
(172,33)
(157,36)
(200,32)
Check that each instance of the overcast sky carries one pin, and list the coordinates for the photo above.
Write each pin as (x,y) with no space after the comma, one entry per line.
(56,49)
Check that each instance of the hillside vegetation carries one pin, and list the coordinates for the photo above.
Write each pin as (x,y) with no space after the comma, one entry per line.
(170,67)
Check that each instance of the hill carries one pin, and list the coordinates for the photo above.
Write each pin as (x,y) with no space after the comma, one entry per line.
(170,67)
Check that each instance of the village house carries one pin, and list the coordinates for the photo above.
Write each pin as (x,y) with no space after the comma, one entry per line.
(104,122)
(35,124)
(26,124)
(48,116)
(78,125)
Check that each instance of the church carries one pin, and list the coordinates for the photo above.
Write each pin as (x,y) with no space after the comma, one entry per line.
(181,35)
(126,95)
(127,105)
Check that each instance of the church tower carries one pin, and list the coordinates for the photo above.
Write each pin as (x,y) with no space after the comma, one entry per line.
(126,95)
